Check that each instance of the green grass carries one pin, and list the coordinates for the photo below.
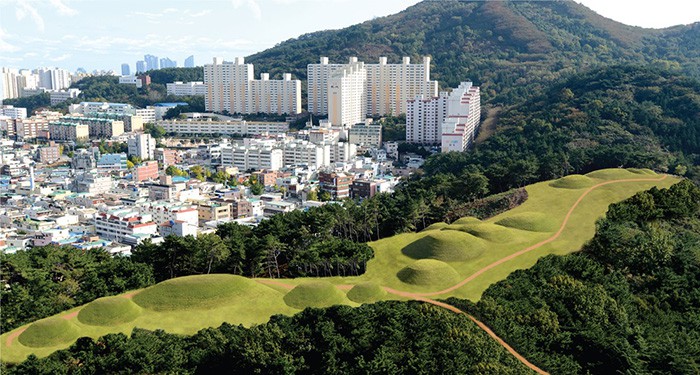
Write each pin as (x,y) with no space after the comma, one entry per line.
(466,220)
(49,332)
(109,311)
(429,272)
(530,221)
(447,246)
(247,302)
(574,181)
(366,292)
(491,232)
(643,171)
(315,294)
(435,226)
(196,292)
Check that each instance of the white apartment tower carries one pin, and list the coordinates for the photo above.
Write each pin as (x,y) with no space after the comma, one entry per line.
(463,115)
(142,146)
(347,103)
(389,86)
(275,96)
(227,85)
(424,117)
(230,86)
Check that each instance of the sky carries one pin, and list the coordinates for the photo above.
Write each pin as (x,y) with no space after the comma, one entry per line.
(103,34)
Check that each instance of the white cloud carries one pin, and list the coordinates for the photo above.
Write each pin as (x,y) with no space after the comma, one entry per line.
(25,9)
(62,8)
(6,46)
(252,5)
(65,56)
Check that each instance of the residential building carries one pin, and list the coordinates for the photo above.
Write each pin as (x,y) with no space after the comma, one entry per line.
(241,209)
(140,66)
(424,117)
(189,62)
(83,159)
(125,225)
(176,228)
(148,115)
(337,184)
(228,127)
(142,146)
(146,171)
(212,211)
(231,87)
(166,157)
(367,134)
(112,162)
(247,158)
(275,96)
(99,126)
(102,107)
(151,62)
(53,78)
(347,103)
(63,95)
(317,76)
(126,70)
(49,154)
(13,112)
(131,80)
(227,85)
(363,189)
(91,182)
(389,86)
(179,88)
(463,116)
(165,62)
(68,131)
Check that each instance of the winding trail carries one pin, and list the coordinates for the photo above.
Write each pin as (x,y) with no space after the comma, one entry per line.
(527,249)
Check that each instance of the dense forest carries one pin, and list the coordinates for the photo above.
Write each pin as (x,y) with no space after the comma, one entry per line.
(629,302)
(619,116)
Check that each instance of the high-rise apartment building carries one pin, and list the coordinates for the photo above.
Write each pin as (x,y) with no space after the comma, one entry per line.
(165,62)
(227,85)
(126,70)
(347,103)
(388,86)
(179,88)
(275,96)
(53,78)
(231,87)
(140,66)
(151,62)
(450,120)
(189,62)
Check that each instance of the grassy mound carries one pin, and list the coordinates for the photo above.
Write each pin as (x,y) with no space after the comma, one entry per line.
(197,292)
(466,220)
(49,332)
(644,171)
(574,181)
(429,272)
(109,311)
(366,292)
(435,226)
(445,245)
(314,294)
(491,232)
(530,221)
(612,174)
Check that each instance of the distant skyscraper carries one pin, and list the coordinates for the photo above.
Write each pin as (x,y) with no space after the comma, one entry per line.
(151,62)
(140,66)
(165,62)
(189,62)
(125,69)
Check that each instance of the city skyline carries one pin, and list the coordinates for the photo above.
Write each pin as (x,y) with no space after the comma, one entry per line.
(91,37)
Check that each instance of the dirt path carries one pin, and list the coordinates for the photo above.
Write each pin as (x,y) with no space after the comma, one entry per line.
(488,127)
(12,336)
(488,330)
(527,249)
(71,315)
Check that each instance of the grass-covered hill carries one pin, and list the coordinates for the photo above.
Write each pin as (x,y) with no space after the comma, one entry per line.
(508,47)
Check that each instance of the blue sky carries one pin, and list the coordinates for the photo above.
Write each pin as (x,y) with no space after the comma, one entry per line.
(102,34)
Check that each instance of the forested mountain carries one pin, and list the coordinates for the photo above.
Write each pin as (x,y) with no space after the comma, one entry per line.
(607,117)
(509,48)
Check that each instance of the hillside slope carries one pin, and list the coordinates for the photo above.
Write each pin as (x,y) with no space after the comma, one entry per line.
(509,48)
